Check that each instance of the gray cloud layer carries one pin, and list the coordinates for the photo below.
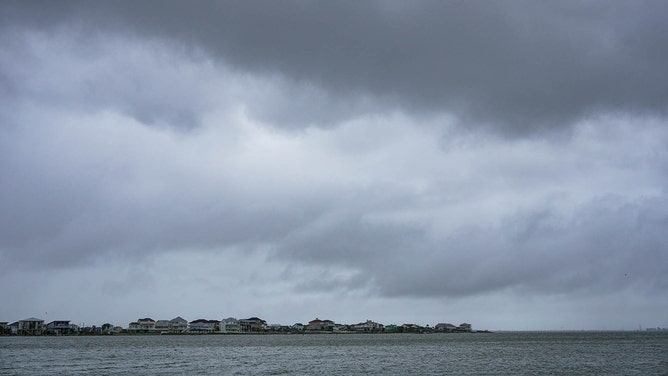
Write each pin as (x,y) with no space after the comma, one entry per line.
(338,147)
(517,66)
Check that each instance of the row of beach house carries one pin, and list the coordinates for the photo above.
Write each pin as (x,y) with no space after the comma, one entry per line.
(178,325)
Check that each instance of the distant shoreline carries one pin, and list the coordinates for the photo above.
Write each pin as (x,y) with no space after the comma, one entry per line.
(267,333)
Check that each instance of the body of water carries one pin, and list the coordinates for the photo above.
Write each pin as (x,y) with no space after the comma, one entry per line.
(516,353)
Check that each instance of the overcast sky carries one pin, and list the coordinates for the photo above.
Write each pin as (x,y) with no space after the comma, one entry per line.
(503,163)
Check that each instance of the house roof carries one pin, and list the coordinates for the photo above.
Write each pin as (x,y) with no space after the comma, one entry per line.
(255,319)
(206,321)
(67,322)
(200,321)
(32,319)
(318,321)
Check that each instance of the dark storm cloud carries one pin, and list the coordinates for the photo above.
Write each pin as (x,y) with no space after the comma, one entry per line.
(67,72)
(610,245)
(514,64)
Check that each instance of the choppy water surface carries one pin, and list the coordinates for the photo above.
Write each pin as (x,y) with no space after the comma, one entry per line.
(602,353)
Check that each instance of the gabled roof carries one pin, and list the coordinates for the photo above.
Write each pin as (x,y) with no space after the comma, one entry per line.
(318,321)
(199,321)
(205,321)
(32,319)
(255,319)
(178,319)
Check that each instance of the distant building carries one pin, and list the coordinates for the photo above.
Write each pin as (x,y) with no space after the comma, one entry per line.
(252,325)
(391,328)
(133,327)
(178,325)
(445,327)
(162,326)
(368,327)
(230,325)
(58,328)
(318,325)
(464,327)
(410,328)
(341,328)
(277,328)
(4,328)
(31,327)
(204,326)
(91,330)
(13,328)
(298,327)
(145,325)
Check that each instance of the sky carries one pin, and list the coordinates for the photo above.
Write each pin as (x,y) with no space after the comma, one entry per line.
(502,163)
